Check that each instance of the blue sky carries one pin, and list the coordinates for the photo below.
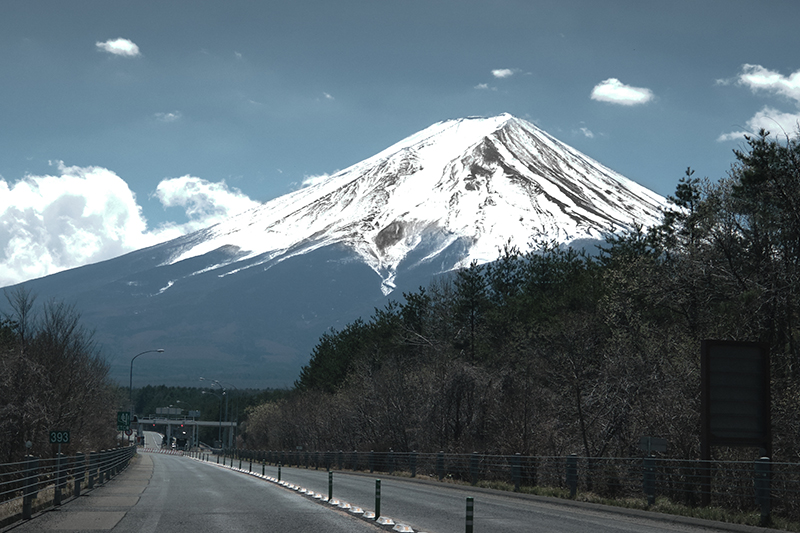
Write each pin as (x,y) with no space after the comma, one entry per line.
(125,123)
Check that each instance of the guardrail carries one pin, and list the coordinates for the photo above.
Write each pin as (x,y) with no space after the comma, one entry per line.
(771,488)
(37,483)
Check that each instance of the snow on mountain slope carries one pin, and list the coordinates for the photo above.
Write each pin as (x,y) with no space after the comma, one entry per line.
(486,181)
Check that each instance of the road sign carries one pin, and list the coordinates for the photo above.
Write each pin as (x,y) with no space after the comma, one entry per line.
(652,444)
(123,420)
(59,437)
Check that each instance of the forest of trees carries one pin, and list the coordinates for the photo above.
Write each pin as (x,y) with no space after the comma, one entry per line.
(563,351)
(52,378)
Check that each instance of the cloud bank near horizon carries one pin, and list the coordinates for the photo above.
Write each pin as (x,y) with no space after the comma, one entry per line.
(84,215)
(761,80)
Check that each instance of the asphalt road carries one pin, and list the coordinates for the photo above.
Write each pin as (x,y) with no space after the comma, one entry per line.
(441,508)
(161,492)
(174,494)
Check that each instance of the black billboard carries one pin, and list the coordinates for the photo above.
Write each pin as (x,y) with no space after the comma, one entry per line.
(735,391)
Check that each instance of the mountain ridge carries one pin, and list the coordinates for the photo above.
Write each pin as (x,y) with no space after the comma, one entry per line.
(247,299)
(470,166)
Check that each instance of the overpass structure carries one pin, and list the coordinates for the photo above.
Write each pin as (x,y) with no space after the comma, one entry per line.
(185,428)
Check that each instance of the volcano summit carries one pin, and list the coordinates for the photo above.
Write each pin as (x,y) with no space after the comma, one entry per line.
(479,183)
(248,298)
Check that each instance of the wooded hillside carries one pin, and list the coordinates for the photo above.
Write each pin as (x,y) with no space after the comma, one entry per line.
(560,351)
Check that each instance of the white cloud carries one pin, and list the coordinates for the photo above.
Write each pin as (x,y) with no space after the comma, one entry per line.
(503,72)
(313,180)
(328,96)
(87,214)
(119,47)
(169,117)
(759,78)
(769,119)
(587,132)
(204,202)
(615,92)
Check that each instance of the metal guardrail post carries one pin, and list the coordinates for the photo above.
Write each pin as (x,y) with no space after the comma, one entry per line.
(92,469)
(474,464)
(572,475)
(440,465)
(31,487)
(371,461)
(80,471)
(377,499)
(61,476)
(516,470)
(470,514)
(330,485)
(101,466)
(763,488)
(413,464)
(649,479)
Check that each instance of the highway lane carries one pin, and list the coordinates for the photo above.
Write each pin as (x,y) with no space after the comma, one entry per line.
(165,493)
(152,439)
(188,496)
(440,508)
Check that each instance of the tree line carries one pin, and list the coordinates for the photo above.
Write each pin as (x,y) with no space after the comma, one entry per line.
(52,378)
(564,351)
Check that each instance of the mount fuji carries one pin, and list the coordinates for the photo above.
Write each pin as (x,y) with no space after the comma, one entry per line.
(246,300)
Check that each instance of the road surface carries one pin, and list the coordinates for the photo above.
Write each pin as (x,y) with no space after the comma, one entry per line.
(162,492)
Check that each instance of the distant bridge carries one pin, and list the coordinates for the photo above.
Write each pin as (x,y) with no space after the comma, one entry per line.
(173,426)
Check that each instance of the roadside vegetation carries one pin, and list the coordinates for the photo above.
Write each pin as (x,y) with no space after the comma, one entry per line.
(52,378)
(562,351)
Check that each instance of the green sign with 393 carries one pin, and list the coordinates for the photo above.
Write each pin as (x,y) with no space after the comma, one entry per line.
(59,437)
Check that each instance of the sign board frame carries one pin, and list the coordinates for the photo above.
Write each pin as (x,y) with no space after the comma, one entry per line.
(59,437)
(652,444)
(123,420)
(735,395)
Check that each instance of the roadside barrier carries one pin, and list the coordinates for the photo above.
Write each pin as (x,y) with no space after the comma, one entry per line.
(772,488)
(37,483)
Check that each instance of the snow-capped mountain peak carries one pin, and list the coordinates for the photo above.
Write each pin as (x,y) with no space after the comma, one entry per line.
(472,184)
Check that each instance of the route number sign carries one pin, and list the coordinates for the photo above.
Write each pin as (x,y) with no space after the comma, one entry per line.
(123,420)
(59,437)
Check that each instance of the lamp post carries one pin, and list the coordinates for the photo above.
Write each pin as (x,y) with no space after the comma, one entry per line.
(130,385)
(219,384)
(220,412)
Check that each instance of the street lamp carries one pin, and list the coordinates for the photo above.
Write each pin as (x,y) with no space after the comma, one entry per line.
(220,412)
(219,383)
(130,385)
